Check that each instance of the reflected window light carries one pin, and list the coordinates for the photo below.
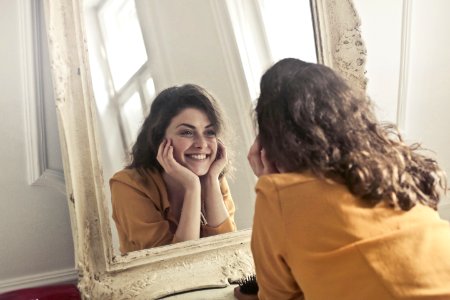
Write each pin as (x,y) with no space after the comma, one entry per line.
(98,82)
(293,19)
(123,40)
(132,117)
(269,30)
(150,88)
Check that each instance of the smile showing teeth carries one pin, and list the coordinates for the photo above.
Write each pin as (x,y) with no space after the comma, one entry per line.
(197,156)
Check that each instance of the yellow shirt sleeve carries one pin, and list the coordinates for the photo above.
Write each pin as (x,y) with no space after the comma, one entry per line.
(139,223)
(273,275)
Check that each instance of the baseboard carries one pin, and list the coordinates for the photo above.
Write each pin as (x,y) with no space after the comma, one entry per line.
(42,279)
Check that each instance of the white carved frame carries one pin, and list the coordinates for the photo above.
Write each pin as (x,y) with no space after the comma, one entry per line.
(153,273)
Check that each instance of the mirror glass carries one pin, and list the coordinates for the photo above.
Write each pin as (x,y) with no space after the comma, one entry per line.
(139,48)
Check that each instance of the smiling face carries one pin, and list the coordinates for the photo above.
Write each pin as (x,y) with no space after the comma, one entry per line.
(193,139)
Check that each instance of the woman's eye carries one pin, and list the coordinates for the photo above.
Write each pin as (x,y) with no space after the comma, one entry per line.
(187,133)
(210,133)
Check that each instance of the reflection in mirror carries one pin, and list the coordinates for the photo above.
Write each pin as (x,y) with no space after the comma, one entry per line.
(175,189)
(139,48)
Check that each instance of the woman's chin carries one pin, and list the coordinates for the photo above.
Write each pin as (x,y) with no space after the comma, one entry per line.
(199,168)
(199,171)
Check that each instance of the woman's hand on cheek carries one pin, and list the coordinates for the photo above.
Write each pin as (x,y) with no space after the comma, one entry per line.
(174,169)
(220,162)
(259,162)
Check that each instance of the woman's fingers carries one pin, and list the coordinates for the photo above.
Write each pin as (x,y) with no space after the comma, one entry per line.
(165,155)
(256,163)
(254,158)
(172,168)
(166,158)
(220,160)
(169,155)
(268,166)
(255,149)
(259,161)
(221,151)
(160,154)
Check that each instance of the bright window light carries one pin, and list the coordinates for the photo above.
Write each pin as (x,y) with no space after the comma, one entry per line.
(132,116)
(123,40)
(150,88)
(289,29)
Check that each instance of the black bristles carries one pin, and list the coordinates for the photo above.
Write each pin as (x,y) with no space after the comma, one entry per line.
(248,285)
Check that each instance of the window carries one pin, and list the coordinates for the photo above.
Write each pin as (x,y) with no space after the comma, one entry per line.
(121,75)
(269,30)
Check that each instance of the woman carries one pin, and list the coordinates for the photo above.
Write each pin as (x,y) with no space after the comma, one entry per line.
(174,189)
(344,209)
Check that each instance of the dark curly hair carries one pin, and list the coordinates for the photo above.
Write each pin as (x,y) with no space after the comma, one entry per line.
(169,103)
(310,119)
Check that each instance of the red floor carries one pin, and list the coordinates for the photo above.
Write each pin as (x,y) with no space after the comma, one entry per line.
(58,292)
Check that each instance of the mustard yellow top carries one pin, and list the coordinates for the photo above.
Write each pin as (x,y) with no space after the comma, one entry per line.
(312,239)
(141,211)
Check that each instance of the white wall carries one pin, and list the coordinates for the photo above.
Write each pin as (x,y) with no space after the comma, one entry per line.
(36,245)
(429,81)
(408,70)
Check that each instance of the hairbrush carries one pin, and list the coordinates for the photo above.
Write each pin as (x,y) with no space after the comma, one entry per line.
(247,288)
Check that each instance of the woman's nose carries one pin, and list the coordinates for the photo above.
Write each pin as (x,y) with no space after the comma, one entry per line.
(200,142)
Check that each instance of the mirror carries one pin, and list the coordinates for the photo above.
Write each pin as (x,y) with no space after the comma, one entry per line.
(138,48)
(209,262)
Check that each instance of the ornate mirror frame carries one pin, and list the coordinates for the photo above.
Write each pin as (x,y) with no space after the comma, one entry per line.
(153,273)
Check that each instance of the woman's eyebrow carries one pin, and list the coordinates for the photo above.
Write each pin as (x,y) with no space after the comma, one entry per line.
(192,126)
(186,125)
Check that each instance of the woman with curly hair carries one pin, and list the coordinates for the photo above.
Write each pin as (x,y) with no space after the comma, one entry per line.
(174,189)
(344,209)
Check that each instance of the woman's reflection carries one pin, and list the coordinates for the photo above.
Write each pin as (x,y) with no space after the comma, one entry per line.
(174,189)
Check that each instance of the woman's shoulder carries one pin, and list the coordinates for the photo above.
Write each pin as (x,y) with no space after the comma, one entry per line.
(136,177)
(224,187)
(304,186)
(127,175)
(285,180)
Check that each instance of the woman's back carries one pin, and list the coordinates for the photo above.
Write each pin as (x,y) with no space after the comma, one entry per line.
(316,234)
